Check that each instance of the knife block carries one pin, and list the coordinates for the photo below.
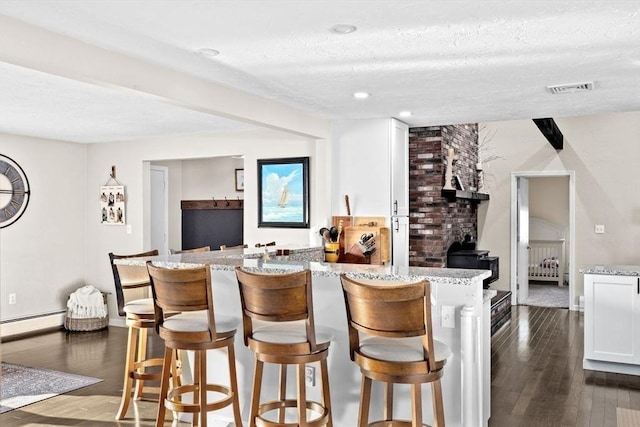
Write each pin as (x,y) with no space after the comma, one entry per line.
(351,235)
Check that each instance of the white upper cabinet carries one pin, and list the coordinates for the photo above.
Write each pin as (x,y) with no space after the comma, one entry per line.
(370,157)
(399,146)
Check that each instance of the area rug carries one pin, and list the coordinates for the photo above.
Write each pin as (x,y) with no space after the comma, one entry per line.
(548,296)
(21,385)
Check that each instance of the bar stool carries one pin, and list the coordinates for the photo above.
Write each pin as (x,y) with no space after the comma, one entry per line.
(270,303)
(189,291)
(139,317)
(391,339)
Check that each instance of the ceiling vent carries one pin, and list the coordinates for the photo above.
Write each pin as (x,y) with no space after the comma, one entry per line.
(570,88)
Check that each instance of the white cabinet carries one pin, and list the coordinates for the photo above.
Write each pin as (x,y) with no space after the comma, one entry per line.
(612,323)
(400,241)
(399,156)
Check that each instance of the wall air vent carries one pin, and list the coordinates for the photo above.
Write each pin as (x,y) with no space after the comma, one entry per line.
(570,88)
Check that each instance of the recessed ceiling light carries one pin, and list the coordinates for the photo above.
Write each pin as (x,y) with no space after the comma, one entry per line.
(343,29)
(208,52)
(360,95)
(405,114)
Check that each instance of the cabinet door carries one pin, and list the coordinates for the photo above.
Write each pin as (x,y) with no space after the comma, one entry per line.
(612,327)
(400,241)
(399,168)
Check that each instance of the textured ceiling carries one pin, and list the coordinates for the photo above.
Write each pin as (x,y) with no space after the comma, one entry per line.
(446,61)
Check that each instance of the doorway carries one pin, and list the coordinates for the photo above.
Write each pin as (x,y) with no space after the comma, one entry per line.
(159,204)
(548,230)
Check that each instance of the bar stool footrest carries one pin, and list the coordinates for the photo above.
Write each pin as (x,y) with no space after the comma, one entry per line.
(291,403)
(173,402)
(394,423)
(142,374)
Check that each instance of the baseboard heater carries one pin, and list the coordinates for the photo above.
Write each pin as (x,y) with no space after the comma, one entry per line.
(29,324)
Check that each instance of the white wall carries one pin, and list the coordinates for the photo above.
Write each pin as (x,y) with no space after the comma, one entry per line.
(43,254)
(549,199)
(604,152)
(130,160)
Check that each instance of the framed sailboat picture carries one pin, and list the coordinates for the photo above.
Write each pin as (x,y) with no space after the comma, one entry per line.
(283,192)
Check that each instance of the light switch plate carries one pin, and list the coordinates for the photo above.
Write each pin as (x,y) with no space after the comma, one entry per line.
(448,316)
(599,229)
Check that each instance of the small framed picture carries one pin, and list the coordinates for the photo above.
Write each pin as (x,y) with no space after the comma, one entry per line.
(458,182)
(239,179)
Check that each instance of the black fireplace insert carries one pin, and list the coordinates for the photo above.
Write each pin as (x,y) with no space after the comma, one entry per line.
(465,255)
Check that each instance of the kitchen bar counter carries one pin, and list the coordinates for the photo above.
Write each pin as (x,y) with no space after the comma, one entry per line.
(466,379)
(613,270)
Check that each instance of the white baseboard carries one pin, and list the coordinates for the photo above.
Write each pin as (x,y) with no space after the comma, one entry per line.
(32,324)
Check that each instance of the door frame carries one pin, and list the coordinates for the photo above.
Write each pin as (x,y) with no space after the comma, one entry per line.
(572,229)
(165,171)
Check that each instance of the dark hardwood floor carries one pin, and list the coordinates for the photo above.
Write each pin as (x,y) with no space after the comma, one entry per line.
(537,377)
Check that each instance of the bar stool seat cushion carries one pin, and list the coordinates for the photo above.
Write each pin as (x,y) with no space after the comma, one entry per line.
(401,349)
(290,334)
(197,321)
(140,306)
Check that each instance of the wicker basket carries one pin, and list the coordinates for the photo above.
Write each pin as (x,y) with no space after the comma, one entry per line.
(88,324)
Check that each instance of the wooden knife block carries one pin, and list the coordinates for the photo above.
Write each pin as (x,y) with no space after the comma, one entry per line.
(351,235)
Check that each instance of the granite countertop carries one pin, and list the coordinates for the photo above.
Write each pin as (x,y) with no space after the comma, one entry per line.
(612,270)
(308,257)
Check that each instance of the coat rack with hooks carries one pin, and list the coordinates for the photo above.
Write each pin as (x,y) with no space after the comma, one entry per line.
(224,203)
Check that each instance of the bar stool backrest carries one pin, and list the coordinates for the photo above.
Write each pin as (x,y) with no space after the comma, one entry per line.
(276,298)
(128,276)
(182,290)
(390,310)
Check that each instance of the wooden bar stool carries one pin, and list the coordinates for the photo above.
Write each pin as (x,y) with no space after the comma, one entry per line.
(390,338)
(270,303)
(139,317)
(189,291)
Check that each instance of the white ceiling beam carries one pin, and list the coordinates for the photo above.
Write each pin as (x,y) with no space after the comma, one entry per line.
(32,47)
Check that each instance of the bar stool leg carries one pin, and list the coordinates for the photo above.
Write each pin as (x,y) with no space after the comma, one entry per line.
(365,400)
(142,355)
(416,391)
(233,378)
(203,388)
(282,392)
(255,393)
(302,396)
(164,386)
(128,380)
(196,381)
(438,406)
(388,401)
(326,395)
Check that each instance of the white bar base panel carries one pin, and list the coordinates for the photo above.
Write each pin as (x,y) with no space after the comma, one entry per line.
(463,384)
(618,368)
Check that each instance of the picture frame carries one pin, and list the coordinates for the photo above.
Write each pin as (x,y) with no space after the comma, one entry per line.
(283,192)
(239,179)
(112,205)
(458,182)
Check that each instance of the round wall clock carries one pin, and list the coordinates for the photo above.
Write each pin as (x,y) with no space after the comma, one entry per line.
(14,191)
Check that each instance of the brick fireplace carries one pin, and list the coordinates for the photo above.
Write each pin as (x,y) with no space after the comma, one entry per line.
(435,222)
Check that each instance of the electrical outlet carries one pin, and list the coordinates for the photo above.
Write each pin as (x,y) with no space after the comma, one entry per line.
(448,316)
(129,229)
(599,229)
(12,298)
(310,375)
